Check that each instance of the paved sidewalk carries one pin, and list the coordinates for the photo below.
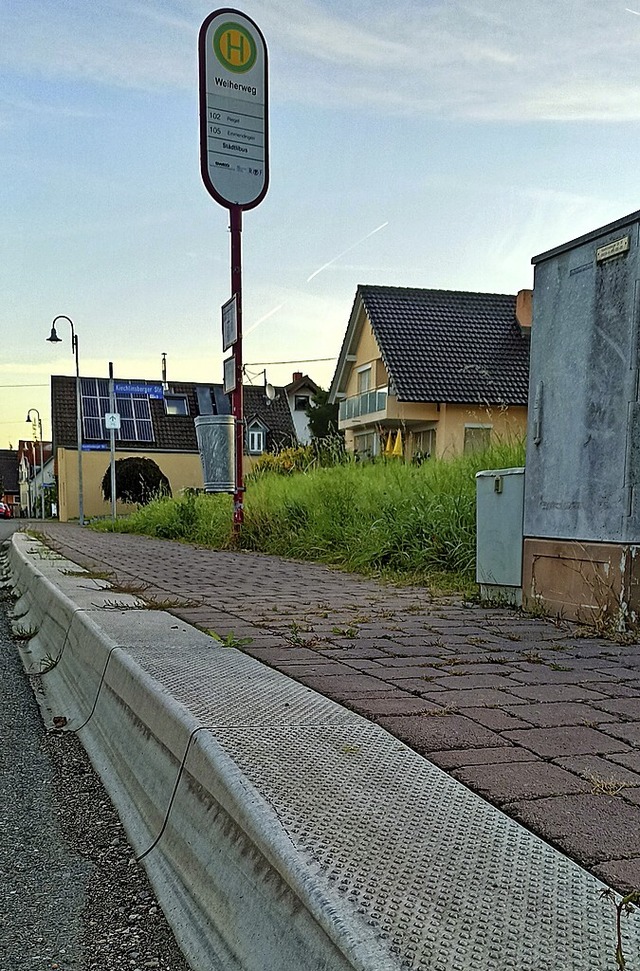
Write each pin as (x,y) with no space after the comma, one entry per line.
(541,720)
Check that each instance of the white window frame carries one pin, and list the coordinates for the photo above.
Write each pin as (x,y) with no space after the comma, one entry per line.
(256,439)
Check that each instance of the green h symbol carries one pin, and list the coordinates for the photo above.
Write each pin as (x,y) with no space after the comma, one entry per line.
(235,47)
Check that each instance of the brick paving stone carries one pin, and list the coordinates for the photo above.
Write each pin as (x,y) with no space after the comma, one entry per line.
(479,756)
(627,731)
(555,692)
(460,682)
(319,667)
(506,782)
(592,828)
(628,707)
(494,718)
(398,650)
(424,686)
(632,795)
(365,664)
(595,768)
(555,742)
(275,655)
(616,690)
(486,667)
(478,698)
(554,713)
(624,875)
(404,704)
(416,660)
(541,674)
(347,685)
(358,653)
(426,733)
(409,671)
(631,760)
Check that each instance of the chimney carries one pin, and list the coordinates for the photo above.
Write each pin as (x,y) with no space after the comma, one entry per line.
(297,376)
(524,310)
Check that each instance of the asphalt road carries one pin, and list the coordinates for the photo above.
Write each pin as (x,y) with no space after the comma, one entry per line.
(71,895)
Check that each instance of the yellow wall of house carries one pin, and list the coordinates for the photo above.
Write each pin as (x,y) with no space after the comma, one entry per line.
(183,470)
(367,352)
(506,425)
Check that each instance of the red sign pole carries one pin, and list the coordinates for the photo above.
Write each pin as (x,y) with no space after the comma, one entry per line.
(235,225)
(234,162)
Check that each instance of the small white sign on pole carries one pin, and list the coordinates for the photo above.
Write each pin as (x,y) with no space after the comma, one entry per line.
(229,323)
(229,374)
(112,421)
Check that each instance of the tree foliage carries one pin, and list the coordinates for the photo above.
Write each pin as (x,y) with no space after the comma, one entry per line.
(138,480)
(323,416)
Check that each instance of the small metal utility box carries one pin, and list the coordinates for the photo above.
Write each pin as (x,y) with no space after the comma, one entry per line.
(499,512)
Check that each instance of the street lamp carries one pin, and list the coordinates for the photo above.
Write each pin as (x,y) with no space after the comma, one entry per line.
(29,419)
(53,337)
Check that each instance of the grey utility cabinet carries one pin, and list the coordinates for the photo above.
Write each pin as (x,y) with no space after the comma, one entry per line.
(499,512)
(583,442)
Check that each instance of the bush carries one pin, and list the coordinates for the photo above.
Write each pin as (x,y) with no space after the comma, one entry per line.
(138,480)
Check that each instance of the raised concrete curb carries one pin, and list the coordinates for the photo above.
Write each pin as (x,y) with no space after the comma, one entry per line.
(279,830)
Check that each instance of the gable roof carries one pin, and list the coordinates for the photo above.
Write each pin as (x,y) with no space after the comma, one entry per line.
(176,432)
(302,382)
(442,345)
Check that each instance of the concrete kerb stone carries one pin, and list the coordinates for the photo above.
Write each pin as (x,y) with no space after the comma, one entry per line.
(281,831)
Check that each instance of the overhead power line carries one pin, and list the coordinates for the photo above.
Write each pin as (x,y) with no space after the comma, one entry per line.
(305,360)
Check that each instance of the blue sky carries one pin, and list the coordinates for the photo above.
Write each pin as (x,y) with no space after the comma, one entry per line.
(433,143)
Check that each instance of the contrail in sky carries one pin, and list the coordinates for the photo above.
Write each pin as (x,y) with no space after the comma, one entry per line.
(347,250)
(636,12)
(315,273)
(263,318)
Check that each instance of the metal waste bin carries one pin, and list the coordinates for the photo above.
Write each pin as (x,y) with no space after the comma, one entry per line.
(499,520)
(215,435)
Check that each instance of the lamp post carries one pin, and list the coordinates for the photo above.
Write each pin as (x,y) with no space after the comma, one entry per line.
(41,458)
(53,337)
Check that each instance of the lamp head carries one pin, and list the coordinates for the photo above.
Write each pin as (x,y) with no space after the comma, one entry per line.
(53,337)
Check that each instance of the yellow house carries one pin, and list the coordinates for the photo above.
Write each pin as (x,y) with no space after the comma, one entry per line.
(157,422)
(432,372)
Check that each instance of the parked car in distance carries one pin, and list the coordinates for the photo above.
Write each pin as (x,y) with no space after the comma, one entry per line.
(5,511)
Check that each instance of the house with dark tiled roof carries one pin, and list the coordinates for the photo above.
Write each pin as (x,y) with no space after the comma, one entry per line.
(432,372)
(156,421)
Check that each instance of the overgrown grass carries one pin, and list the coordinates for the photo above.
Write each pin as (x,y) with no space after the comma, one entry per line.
(416,522)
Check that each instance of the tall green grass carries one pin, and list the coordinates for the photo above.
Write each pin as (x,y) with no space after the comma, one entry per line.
(385,517)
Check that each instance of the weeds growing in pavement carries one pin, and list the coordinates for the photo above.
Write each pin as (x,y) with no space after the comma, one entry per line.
(625,906)
(24,633)
(606,787)
(88,574)
(230,639)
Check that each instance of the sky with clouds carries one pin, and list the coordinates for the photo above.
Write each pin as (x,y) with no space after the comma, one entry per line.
(430,143)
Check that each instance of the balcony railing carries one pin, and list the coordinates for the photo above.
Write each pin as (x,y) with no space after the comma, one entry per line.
(362,404)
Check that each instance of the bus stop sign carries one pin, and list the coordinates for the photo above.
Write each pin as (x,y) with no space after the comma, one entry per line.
(234,147)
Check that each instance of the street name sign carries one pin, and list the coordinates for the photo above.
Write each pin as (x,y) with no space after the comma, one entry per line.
(234,147)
